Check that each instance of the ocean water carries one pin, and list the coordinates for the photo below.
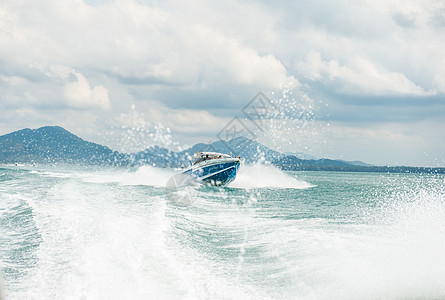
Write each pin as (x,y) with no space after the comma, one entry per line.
(114,233)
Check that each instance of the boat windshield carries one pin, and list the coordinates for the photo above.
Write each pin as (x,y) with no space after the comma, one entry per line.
(203,156)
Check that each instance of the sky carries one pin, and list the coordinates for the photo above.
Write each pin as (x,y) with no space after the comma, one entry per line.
(352,80)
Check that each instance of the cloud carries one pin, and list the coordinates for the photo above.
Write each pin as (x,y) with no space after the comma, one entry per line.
(238,63)
(149,49)
(177,45)
(388,144)
(79,94)
(185,121)
(405,19)
(12,80)
(193,65)
(359,77)
(129,39)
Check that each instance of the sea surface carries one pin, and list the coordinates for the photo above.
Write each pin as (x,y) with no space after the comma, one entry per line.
(115,233)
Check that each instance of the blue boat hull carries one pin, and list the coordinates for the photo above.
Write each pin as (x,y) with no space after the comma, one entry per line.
(215,174)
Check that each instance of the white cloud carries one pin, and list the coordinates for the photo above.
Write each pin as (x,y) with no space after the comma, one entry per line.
(359,77)
(177,44)
(72,58)
(226,58)
(137,41)
(13,81)
(185,121)
(79,94)
(439,80)
(388,144)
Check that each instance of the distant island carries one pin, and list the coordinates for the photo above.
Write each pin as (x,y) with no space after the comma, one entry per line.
(54,145)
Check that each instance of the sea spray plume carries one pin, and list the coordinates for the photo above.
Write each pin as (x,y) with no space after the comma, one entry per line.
(407,253)
(135,132)
(259,110)
(295,127)
(146,143)
(286,121)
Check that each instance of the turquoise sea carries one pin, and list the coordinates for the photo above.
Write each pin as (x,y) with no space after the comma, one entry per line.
(113,233)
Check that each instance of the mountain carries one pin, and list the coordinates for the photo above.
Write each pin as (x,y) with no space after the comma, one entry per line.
(357,163)
(249,150)
(300,155)
(291,162)
(53,144)
(158,156)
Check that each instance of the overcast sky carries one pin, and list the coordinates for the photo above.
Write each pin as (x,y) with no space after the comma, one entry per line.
(356,80)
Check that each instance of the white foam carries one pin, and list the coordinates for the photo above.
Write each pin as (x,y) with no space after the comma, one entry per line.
(266,176)
(2,296)
(99,241)
(404,256)
(145,175)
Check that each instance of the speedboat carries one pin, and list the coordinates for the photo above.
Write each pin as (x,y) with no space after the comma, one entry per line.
(213,168)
